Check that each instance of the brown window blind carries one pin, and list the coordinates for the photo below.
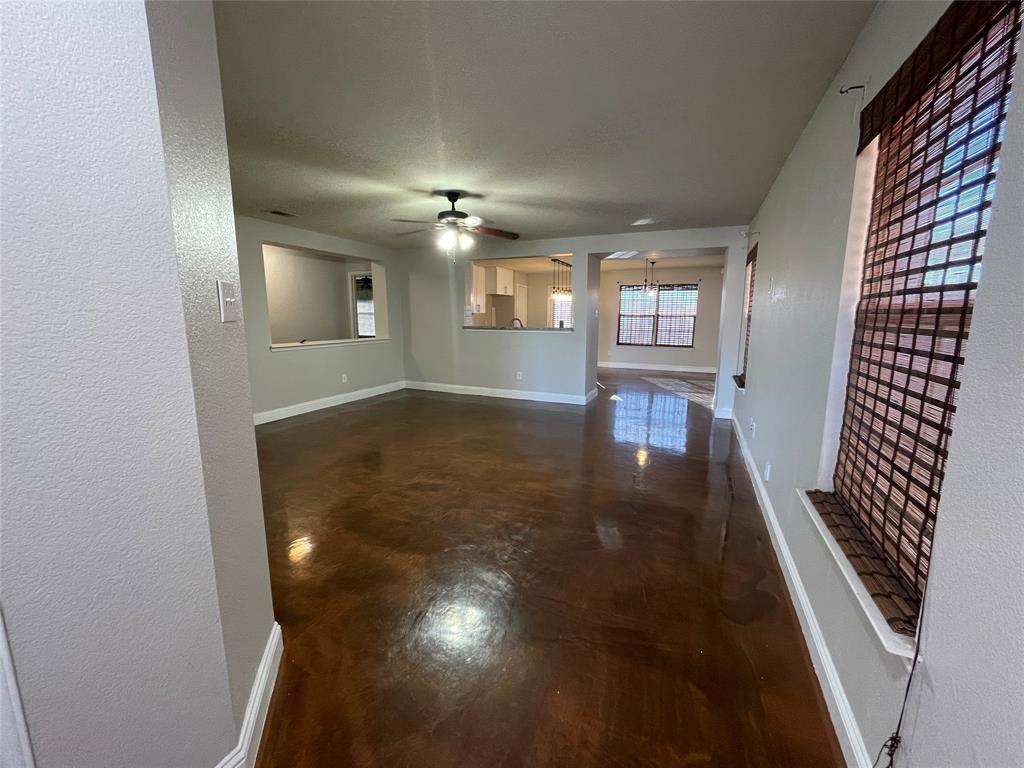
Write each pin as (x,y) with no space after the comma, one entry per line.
(748,310)
(955,31)
(934,185)
(664,316)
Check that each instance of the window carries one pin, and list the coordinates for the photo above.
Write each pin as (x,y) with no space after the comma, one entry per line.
(362,294)
(934,185)
(663,316)
(748,309)
(322,298)
(560,310)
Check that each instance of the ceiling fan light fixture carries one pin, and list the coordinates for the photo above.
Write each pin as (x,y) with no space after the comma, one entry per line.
(448,238)
(465,241)
(473,221)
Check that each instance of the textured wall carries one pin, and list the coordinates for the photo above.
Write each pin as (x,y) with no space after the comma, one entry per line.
(108,582)
(195,148)
(704,352)
(289,377)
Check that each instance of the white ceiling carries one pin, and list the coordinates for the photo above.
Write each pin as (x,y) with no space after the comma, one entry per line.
(570,118)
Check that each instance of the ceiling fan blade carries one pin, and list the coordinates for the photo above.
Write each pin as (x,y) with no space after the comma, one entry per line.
(493,232)
(411,232)
(414,221)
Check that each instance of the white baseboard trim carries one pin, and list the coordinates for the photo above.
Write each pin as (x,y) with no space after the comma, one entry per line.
(244,753)
(262,417)
(512,394)
(843,719)
(658,367)
(723,413)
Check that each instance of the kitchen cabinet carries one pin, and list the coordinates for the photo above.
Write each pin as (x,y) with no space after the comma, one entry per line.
(500,281)
(478,290)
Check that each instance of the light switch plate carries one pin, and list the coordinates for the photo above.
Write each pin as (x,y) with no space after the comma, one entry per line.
(228,302)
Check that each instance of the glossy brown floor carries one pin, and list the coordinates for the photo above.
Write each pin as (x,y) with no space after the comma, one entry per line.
(480,582)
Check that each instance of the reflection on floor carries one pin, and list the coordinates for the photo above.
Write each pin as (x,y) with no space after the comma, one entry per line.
(480,582)
(697,388)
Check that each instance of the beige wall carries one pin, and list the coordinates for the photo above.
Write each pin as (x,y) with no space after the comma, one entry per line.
(703,354)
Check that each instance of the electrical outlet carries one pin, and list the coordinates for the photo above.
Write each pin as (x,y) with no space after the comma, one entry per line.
(519,375)
(767,471)
(753,428)
(344,378)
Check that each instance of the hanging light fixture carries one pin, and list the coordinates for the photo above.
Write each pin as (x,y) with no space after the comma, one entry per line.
(650,284)
(561,280)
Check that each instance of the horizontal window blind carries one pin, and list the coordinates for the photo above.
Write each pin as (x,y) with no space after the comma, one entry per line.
(662,316)
(561,311)
(934,185)
(748,313)
(677,313)
(636,315)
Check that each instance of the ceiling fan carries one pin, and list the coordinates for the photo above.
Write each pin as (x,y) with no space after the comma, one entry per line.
(456,228)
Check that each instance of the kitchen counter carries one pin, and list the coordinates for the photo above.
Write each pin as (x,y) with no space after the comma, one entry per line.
(517,329)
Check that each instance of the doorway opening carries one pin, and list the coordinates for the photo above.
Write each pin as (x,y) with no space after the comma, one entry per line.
(659,315)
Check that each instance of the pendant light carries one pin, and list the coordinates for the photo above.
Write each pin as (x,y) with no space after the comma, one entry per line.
(650,284)
(561,280)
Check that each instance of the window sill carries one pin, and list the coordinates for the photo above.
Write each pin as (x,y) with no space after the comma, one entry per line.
(287,347)
(892,641)
(654,346)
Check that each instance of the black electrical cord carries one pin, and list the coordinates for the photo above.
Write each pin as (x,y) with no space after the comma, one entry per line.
(891,744)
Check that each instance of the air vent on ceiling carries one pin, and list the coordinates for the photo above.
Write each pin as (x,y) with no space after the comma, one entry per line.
(276,212)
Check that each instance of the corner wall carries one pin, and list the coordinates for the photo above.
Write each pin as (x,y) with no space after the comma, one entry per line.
(109,587)
(187,72)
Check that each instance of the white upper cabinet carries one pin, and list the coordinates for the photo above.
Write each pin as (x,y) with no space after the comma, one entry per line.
(500,280)
(478,290)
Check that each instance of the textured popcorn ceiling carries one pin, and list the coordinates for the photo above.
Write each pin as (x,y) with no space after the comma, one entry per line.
(571,118)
